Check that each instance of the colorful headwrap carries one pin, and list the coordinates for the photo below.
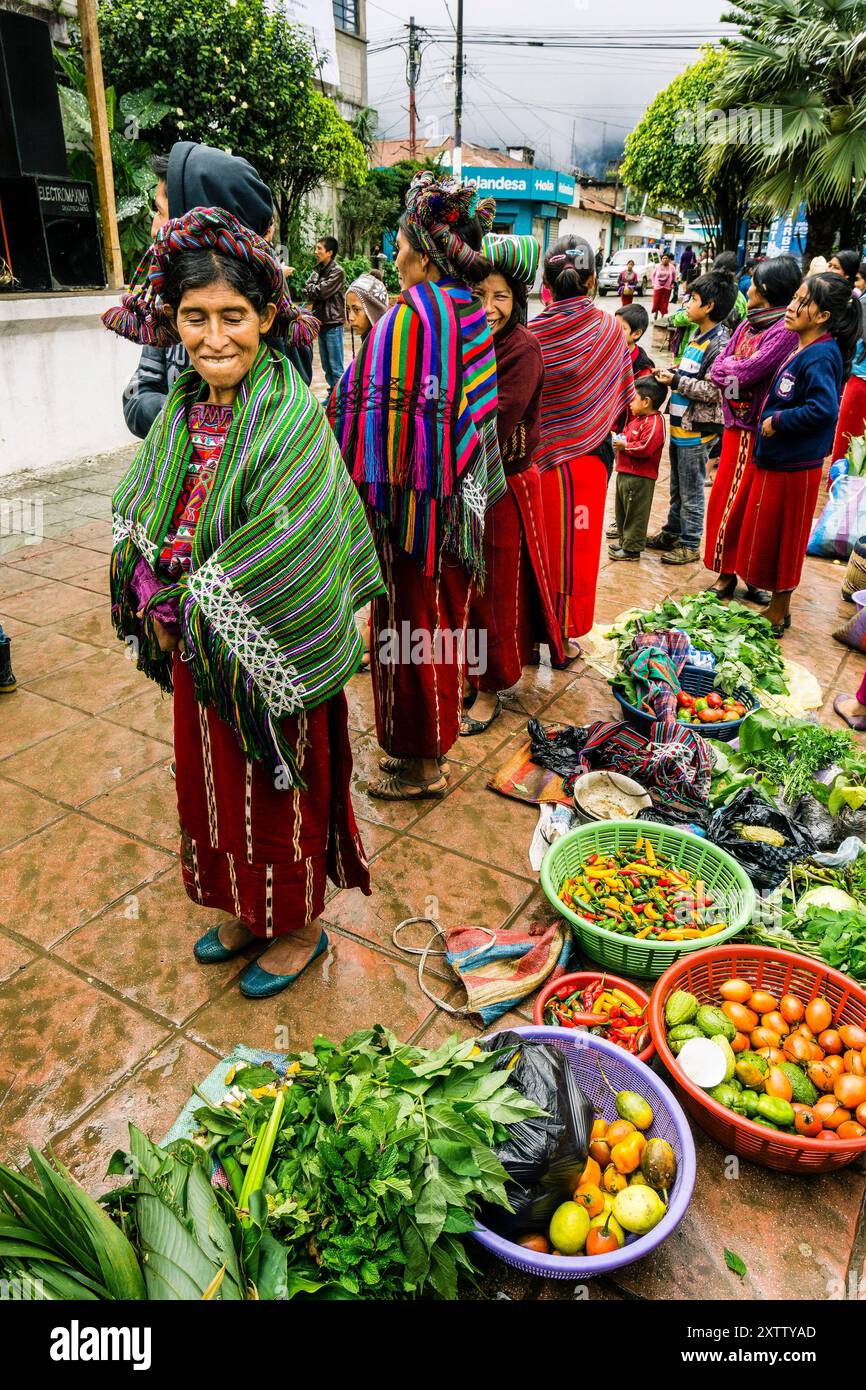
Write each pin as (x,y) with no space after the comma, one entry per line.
(435,204)
(141,315)
(373,295)
(515,256)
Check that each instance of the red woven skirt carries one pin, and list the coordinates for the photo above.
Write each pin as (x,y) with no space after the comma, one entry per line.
(419,652)
(852,416)
(661,300)
(249,846)
(727,505)
(516,610)
(776,526)
(573,496)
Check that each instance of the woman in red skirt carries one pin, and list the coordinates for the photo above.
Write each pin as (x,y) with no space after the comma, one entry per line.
(797,424)
(588,383)
(515,612)
(241,556)
(743,370)
(852,411)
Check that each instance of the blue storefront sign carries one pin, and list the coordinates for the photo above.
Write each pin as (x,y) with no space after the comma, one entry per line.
(788,234)
(523,195)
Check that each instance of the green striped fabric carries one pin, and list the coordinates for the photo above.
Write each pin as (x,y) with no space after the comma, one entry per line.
(517,256)
(282,556)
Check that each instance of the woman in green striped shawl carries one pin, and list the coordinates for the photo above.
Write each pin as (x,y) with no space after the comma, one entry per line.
(241,556)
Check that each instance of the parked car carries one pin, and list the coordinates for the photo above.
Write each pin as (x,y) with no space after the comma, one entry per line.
(644,257)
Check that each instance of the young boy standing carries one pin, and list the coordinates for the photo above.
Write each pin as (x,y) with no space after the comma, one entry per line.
(635,322)
(696,418)
(638,455)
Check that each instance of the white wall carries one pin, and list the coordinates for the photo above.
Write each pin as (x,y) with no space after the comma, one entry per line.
(61,379)
(593,226)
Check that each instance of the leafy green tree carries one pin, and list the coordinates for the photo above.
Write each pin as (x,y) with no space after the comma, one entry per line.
(805,59)
(370,211)
(665,155)
(236,74)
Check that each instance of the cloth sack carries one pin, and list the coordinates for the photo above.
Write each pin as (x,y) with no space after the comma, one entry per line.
(855,574)
(853,633)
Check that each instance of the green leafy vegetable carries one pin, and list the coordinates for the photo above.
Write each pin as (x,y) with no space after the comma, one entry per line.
(735,1264)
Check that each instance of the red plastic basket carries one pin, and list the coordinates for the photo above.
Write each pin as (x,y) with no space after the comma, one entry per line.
(780,972)
(567,984)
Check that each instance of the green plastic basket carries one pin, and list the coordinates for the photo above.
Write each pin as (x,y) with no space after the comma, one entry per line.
(722,877)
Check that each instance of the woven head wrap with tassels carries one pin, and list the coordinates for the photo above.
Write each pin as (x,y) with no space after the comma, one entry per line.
(434,206)
(141,315)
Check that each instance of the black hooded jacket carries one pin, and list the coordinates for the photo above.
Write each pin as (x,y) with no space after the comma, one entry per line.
(201,176)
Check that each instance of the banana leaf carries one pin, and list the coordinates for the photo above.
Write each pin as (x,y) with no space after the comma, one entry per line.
(117,1260)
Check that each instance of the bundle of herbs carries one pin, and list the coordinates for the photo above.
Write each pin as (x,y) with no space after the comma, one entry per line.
(819,912)
(782,757)
(378,1161)
(739,638)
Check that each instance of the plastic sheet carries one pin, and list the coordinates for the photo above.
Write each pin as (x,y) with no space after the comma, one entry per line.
(765,864)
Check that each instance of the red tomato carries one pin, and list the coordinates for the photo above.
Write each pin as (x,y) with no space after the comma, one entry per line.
(791,1008)
(830,1040)
(806,1122)
(714,699)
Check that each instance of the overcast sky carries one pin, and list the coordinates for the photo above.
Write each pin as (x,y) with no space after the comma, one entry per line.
(542,97)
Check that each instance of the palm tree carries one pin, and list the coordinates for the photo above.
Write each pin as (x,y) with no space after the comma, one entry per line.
(805,59)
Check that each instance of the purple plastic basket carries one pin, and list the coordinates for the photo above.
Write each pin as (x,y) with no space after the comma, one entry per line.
(669,1122)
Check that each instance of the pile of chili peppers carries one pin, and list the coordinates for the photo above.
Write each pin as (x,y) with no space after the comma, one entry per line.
(609,1013)
(635,892)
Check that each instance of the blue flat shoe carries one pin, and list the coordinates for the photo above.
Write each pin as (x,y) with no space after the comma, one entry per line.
(209,950)
(261,984)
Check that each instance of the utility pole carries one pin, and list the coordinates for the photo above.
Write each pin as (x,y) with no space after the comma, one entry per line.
(457,156)
(414,66)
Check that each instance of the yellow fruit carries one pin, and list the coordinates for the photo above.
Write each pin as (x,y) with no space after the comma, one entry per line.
(568,1228)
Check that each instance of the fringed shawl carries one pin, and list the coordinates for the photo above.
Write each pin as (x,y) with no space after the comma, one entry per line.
(282,557)
(415,418)
(588,378)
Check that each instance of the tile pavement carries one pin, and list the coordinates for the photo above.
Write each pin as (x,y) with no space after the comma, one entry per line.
(105,1017)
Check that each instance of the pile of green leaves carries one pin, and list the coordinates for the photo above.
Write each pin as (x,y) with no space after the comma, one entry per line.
(741,640)
(383,1157)
(781,756)
(838,938)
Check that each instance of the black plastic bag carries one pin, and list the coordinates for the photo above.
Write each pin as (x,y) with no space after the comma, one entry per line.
(557,748)
(766,864)
(543,1157)
(829,831)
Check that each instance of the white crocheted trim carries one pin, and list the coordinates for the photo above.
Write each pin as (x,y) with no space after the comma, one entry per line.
(472,494)
(259,655)
(122,529)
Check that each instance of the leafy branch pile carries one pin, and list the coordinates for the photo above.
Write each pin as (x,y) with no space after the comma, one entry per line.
(382,1157)
(740,639)
(819,913)
(782,757)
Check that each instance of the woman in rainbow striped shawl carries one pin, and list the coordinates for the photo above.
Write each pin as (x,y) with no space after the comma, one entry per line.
(241,556)
(415,417)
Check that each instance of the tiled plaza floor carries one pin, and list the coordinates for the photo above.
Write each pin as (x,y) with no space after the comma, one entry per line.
(105,1017)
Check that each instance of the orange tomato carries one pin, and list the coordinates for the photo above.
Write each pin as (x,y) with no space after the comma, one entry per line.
(591,1173)
(797,1048)
(853,1063)
(852,1036)
(826,1136)
(825,1106)
(740,1043)
(772,1054)
(791,1008)
(806,1122)
(599,1128)
(838,1117)
(776,1083)
(822,1075)
(819,1015)
(805,1031)
(776,1022)
(743,1019)
(738,990)
(817,1053)
(762,1002)
(590,1195)
(830,1040)
(850,1091)
(764,1037)
(539,1243)
(835,1063)
(619,1130)
(861,1113)
(850,1130)
(600,1150)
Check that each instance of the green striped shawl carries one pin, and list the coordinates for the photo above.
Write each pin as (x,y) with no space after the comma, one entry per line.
(281,560)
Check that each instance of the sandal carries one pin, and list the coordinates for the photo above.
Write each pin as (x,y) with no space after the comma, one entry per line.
(857,722)
(398,788)
(753,595)
(392,764)
(469,727)
(724,591)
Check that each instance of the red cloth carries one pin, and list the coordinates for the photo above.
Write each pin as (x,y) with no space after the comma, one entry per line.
(573,497)
(417,680)
(259,852)
(727,505)
(519,379)
(661,299)
(852,416)
(776,526)
(208,427)
(516,610)
(644,440)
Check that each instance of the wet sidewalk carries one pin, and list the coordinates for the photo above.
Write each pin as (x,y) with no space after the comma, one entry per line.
(106,1018)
